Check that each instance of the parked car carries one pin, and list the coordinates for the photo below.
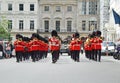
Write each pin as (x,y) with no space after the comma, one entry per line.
(64,47)
(108,47)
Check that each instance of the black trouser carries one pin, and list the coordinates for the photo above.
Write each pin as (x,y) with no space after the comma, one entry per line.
(76,55)
(72,54)
(55,55)
(88,54)
(98,55)
(46,52)
(19,56)
(93,54)
(34,56)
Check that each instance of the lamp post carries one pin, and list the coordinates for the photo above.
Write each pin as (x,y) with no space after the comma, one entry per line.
(9,36)
(105,33)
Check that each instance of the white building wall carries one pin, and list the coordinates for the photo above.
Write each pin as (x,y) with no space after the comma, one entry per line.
(39,15)
(15,15)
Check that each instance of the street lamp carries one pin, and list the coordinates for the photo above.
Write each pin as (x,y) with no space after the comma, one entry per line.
(105,33)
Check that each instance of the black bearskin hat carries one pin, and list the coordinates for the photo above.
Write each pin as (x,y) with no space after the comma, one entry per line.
(35,35)
(98,33)
(17,36)
(54,33)
(77,35)
(26,39)
(94,33)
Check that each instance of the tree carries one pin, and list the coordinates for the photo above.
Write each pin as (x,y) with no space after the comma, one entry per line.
(4,31)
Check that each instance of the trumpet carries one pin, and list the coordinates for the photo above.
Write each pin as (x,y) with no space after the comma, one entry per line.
(101,38)
(88,41)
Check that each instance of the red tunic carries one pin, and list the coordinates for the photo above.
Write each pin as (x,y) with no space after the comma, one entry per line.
(76,44)
(54,44)
(34,45)
(19,45)
(98,44)
(87,46)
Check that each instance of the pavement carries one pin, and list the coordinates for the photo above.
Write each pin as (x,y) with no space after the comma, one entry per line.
(64,71)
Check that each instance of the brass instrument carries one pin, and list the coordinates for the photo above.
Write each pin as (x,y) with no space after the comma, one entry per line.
(101,38)
(88,41)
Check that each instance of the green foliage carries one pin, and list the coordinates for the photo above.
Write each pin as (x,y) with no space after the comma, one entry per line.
(4,31)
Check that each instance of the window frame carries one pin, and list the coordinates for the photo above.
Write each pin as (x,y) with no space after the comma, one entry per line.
(21,24)
(46,25)
(32,24)
(10,7)
(46,8)
(21,7)
(57,25)
(69,25)
(10,24)
(58,8)
(32,7)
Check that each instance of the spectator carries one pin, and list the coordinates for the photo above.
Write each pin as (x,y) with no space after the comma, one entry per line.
(8,51)
(1,49)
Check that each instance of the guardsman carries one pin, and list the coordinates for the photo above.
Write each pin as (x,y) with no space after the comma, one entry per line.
(76,47)
(87,47)
(19,47)
(99,40)
(71,47)
(54,43)
(26,48)
(93,43)
(34,45)
(46,48)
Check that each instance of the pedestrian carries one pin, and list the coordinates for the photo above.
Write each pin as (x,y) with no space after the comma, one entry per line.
(8,50)
(1,49)
(54,44)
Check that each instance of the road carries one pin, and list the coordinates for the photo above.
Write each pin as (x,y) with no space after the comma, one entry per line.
(64,71)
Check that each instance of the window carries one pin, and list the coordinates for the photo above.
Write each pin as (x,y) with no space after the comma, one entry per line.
(46,24)
(57,8)
(9,7)
(21,7)
(92,25)
(84,7)
(31,7)
(83,25)
(69,25)
(10,24)
(20,24)
(58,26)
(31,24)
(69,8)
(93,7)
(46,8)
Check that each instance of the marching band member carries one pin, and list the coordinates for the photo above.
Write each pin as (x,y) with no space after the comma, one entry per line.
(54,46)
(71,46)
(99,40)
(76,43)
(19,47)
(34,45)
(93,44)
(87,47)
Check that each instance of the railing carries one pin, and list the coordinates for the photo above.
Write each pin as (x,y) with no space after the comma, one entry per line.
(23,30)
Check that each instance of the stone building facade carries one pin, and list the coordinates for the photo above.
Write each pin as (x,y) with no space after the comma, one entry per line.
(43,16)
